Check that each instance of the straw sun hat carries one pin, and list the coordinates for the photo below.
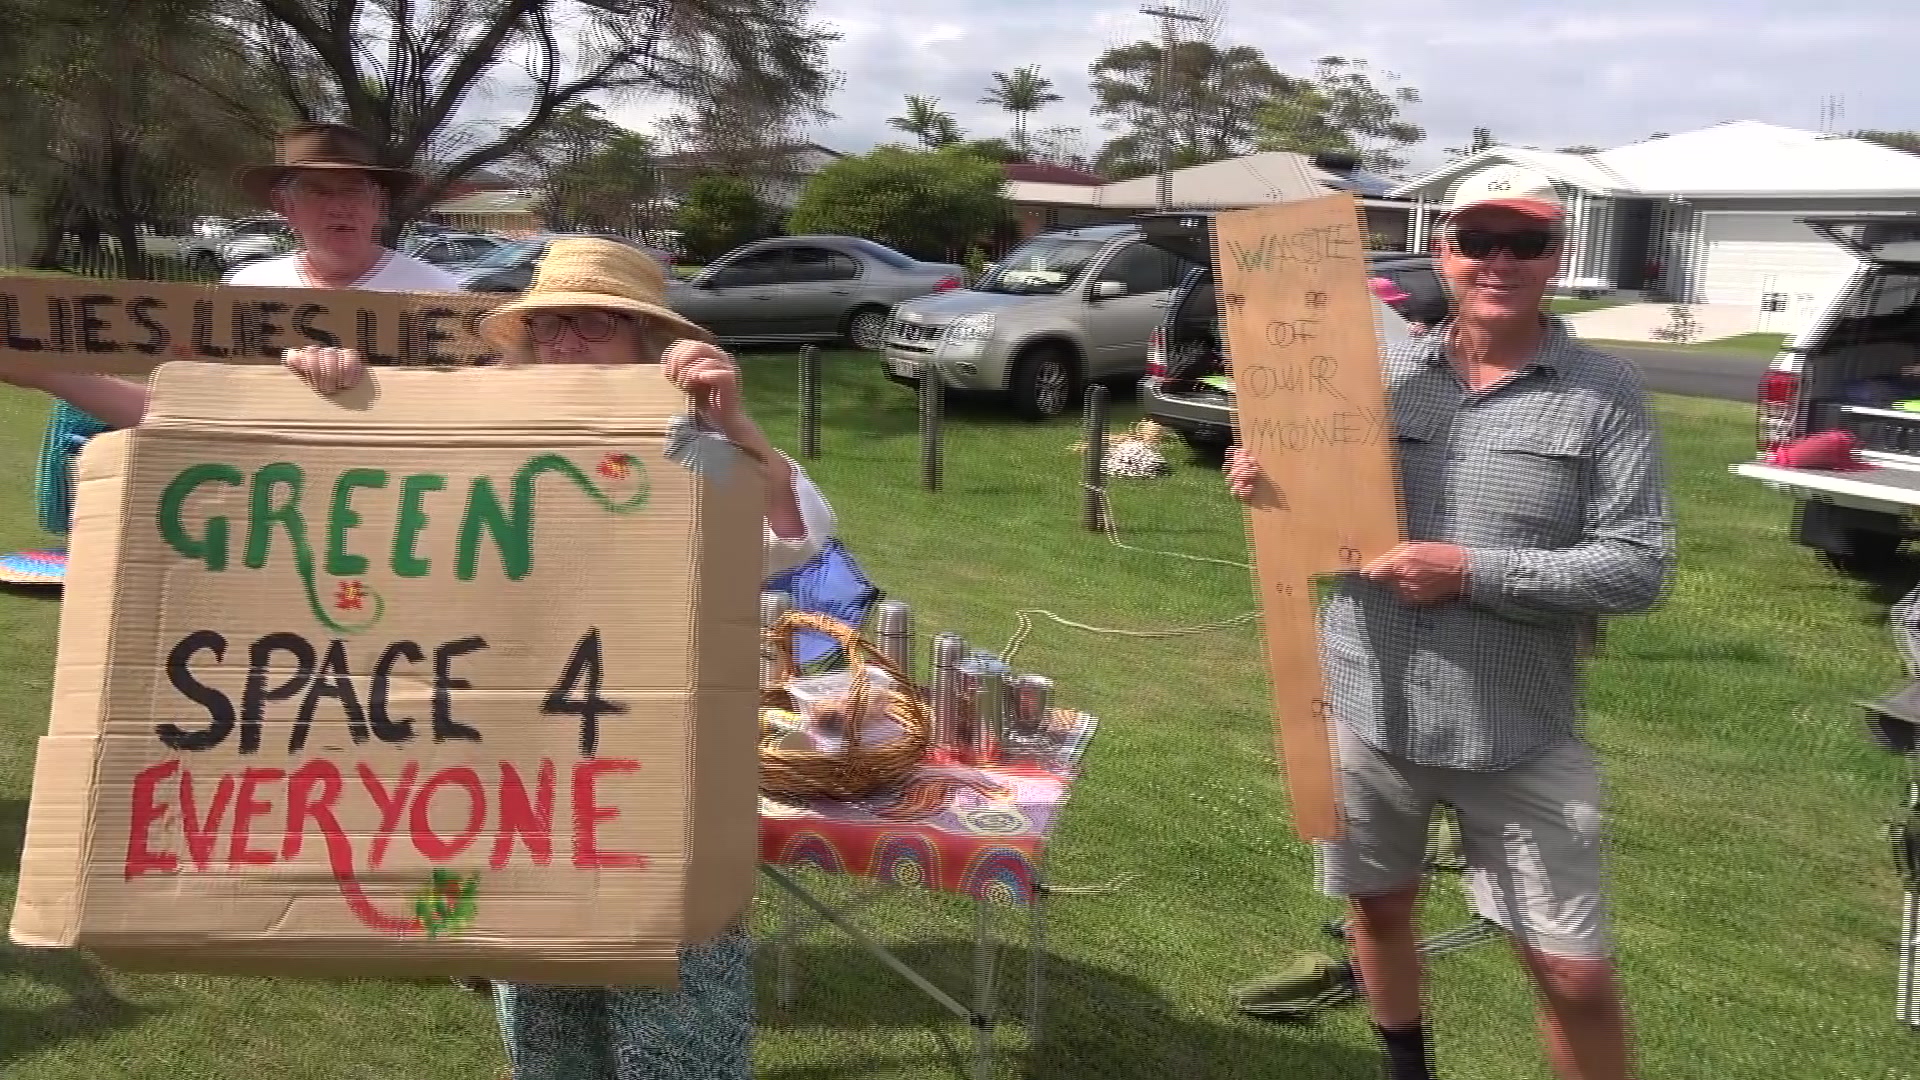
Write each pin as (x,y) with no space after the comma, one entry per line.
(589,272)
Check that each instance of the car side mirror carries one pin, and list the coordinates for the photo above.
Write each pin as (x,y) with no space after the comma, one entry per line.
(1109,290)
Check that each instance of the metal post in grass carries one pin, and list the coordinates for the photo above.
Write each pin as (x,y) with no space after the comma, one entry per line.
(809,402)
(932,399)
(1094,484)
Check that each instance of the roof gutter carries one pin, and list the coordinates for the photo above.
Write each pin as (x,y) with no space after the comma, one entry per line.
(1901,193)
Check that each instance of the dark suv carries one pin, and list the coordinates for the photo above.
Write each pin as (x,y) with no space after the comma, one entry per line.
(1186,387)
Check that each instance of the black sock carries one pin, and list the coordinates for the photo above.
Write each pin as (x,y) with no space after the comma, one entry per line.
(1409,1056)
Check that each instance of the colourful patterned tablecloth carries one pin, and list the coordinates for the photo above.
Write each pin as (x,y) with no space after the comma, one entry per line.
(977,831)
(41,568)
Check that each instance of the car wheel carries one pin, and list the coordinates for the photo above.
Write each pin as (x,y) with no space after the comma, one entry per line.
(1046,384)
(867,328)
(1206,442)
(1867,553)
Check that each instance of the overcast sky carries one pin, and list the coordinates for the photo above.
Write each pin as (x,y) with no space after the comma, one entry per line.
(1534,71)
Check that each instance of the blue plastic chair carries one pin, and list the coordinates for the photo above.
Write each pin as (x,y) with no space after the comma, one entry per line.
(829,584)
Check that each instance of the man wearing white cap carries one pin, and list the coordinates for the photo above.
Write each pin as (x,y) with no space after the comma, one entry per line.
(1530,478)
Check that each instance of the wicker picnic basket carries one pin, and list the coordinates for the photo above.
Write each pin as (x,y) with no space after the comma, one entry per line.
(858,768)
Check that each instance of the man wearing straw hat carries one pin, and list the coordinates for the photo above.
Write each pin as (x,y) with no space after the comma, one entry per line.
(327,181)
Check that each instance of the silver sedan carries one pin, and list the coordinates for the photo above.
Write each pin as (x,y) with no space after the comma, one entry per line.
(808,288)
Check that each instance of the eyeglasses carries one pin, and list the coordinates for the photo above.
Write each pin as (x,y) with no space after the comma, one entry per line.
(546,326)
(1525,244)
(310,188)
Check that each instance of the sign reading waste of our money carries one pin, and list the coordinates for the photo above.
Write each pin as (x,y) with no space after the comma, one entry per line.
(455,673)
(1305,333)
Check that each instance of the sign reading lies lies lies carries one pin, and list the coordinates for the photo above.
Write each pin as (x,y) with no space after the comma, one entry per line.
(130,327)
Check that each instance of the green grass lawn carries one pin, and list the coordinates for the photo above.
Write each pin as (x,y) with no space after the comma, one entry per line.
(1574,305)
(1757,913)
(1757,344)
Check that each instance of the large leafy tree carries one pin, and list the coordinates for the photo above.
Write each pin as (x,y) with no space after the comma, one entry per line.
(735,129)
(1341,110)
(401,70)
(927,203)
(594,174)
(718,214)
(612,189)
(1022,93)
(123,114)
(1212,95)
(927,122)
(1896,140)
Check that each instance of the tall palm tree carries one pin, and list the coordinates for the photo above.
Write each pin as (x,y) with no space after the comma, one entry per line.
(926,121)
(1021,93)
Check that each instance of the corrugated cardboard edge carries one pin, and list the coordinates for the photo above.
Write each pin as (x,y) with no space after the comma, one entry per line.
(293,961)
(46,910)
(733,647)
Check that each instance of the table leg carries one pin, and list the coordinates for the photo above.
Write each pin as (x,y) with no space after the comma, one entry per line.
(1909,994)
(1036,959)
(983,989)
(783,975)
(866,941)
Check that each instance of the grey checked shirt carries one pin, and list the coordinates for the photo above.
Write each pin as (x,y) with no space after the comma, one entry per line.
(1551,481)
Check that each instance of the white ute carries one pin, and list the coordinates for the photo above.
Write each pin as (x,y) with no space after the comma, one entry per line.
(1856,368)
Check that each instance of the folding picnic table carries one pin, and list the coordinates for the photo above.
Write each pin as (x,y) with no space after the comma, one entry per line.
(977,832)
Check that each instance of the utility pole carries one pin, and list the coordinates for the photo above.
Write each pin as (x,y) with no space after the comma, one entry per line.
(1167,16)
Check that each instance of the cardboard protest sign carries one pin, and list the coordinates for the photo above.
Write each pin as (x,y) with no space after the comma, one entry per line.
(131,327)
(1311,407)
(455,673)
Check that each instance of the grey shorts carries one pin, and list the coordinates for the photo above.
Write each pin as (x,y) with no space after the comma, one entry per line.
(1531,837)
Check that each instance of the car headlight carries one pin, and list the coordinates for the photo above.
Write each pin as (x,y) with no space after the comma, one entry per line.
(969,329)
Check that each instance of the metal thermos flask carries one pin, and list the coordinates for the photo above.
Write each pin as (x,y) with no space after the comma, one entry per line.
(943,692)
(895,622)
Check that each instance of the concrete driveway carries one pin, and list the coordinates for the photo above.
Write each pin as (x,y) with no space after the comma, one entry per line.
(1637,322)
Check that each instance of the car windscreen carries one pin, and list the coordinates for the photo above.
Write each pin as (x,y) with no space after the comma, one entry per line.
(511,255)
(1046,264)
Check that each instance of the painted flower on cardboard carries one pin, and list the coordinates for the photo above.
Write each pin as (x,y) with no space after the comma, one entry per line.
(446,905)
(617,466)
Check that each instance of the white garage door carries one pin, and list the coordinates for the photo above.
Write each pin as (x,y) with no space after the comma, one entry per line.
(1749,255)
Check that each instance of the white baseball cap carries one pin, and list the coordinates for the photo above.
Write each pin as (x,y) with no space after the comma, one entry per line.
(1514,187)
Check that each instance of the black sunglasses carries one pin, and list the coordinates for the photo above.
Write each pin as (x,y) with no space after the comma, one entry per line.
(1524,244)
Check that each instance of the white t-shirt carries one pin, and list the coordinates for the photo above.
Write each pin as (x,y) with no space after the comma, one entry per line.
(393,273)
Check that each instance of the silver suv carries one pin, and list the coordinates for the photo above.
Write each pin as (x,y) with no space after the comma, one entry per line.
(1064,309)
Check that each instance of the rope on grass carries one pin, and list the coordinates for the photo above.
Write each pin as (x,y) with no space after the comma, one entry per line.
(1025,622)
(1113,886)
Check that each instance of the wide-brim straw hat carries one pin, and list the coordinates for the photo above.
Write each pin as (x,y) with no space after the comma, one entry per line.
(589,272)
(332,147)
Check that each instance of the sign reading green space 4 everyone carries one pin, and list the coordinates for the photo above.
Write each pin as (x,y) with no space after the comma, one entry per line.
(282,496)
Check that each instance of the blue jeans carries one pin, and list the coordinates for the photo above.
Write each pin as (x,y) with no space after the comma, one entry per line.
(703,1031)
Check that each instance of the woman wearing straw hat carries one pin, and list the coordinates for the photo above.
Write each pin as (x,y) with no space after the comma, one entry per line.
(598,302)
